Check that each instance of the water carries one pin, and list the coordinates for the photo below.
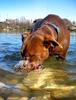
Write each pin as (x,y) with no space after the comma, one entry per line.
(9,49)
(56,81)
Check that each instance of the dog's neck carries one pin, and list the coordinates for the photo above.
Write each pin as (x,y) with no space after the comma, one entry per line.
(55,27)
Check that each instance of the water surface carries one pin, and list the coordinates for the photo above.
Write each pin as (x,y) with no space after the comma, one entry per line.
(57,80)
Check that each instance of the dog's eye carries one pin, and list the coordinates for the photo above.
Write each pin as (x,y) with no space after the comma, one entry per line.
(46,44)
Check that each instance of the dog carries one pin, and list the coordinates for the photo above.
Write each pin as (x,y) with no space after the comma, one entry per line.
(48,36)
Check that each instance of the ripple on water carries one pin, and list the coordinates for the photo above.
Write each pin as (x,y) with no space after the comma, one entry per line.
(57,79)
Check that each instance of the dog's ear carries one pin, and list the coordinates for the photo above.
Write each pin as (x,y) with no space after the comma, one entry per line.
(52,43)
(25,35)
(55,43)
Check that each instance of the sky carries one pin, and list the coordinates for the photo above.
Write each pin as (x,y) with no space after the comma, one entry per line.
(33,9)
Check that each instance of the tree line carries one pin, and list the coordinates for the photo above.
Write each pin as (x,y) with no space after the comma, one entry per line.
(15,25)
(23,25)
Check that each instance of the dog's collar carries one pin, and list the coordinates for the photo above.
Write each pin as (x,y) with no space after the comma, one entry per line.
(55,27)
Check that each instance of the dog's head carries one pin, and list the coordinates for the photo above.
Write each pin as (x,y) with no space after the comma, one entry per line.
(35,48)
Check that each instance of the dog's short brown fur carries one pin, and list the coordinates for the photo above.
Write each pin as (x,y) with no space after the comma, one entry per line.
(44,40)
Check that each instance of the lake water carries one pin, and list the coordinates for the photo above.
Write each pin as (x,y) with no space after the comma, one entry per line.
(56,81)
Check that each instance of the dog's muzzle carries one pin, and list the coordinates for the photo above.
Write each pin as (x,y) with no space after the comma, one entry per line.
(25,65)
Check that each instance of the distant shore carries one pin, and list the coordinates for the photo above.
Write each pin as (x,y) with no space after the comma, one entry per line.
(73,28)
(15,25)
(23,25)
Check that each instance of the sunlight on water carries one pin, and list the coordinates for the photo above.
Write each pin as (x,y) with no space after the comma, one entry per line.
(56,80)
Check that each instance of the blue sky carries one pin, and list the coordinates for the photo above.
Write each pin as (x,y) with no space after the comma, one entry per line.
(33,9)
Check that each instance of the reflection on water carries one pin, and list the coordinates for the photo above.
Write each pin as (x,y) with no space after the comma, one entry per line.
(56,81)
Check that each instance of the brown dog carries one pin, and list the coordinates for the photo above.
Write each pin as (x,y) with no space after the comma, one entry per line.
(49,36)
